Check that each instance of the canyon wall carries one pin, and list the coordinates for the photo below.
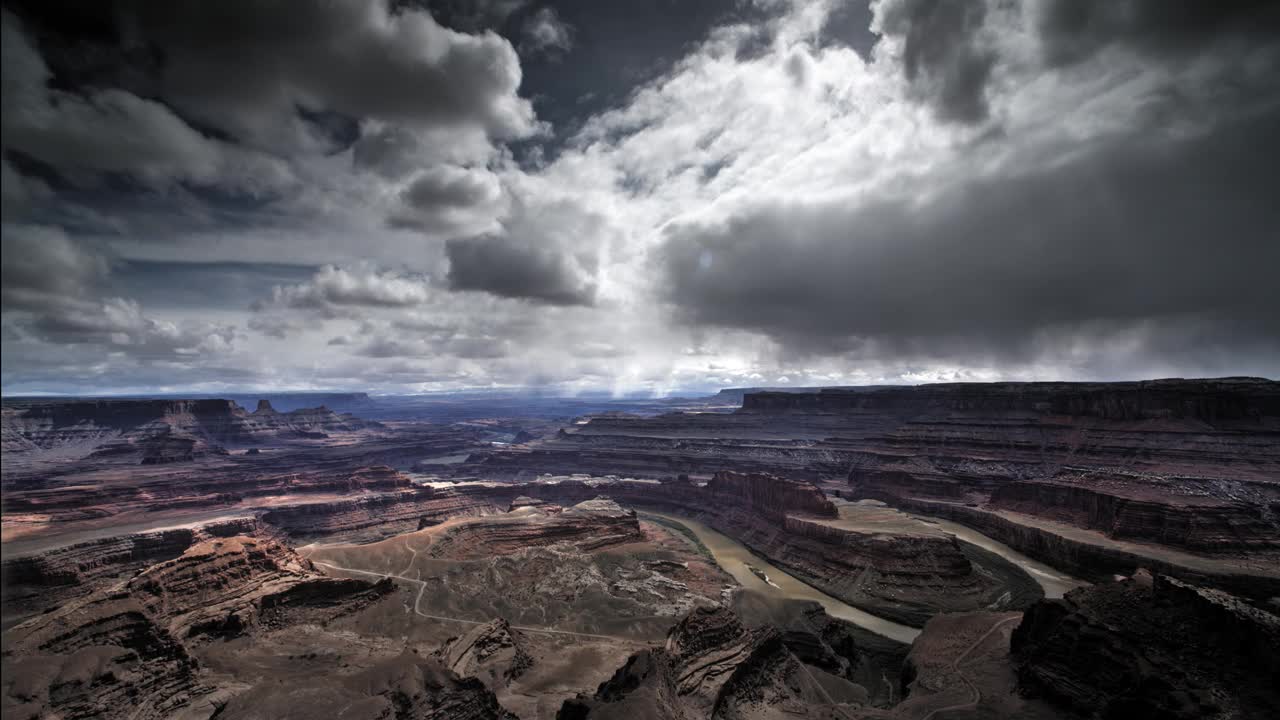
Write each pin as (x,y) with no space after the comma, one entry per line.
(1151,647)
(1223,399)
(1088,560)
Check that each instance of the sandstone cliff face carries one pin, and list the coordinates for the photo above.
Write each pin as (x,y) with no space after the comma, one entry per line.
(222,587)
(383,515)
(711,667)
(493,652)
(157,428)
(103,657)
(1224,399)
(1151,648)
(589,525)
(37,581)
(1088,560)
(125,650)
(1097,501)
(769,495)
(1188,463)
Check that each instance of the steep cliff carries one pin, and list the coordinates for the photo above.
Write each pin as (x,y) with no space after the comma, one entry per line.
(589,525)
(712,666)
(1222,399)
(125,650)
(1151,648)
(1122,508)
(160,430)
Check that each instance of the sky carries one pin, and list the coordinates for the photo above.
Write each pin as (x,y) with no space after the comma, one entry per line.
(636,197)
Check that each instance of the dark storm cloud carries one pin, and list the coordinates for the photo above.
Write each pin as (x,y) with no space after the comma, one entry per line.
(1071,30)
(514,268)
(109,130)
(193,92)
(949,57)
(1136,231)
(53,294)
(444,195)
(467,348)
(42,267)
(448,187)
(245,66)
(945,57)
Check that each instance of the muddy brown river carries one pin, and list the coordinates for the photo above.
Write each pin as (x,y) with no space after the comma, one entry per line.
(755,573)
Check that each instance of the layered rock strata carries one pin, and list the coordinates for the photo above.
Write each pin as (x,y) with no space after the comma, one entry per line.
(589,525)
(712,666)
(44,579)
(125,650)
(903,577)
(1097,561)
(493,652)
(53,424)
(1151,647)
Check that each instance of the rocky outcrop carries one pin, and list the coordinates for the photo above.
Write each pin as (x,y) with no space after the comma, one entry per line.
(1151,648)
(712,666)
(493,652)
(769,495)
(373,517)
(403,686)
(588,525)
(36,581)
(103,657)
(125,650)
(144,423)
(223,587)
(907,578)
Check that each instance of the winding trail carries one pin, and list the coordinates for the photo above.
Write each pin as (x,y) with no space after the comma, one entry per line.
(955,667)
(422,586)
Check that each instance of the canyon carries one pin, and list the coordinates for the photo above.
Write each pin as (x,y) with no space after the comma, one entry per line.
(877,552)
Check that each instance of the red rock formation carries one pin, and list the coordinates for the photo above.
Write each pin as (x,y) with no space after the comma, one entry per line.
(1223,399)
(769,495)
(122,651)
(44,579)
(1088,560)
(1125,507)
(221,587)
(405,686)
(1153,648)
(35,425)
(493,652)
(711,667)
(589,525)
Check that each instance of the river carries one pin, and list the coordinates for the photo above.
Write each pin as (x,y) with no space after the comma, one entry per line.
(738,561)
(1054,583)
(748,569)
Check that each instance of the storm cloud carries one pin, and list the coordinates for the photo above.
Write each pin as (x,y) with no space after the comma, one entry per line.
(1138,231)
(513,268)
(370,194)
